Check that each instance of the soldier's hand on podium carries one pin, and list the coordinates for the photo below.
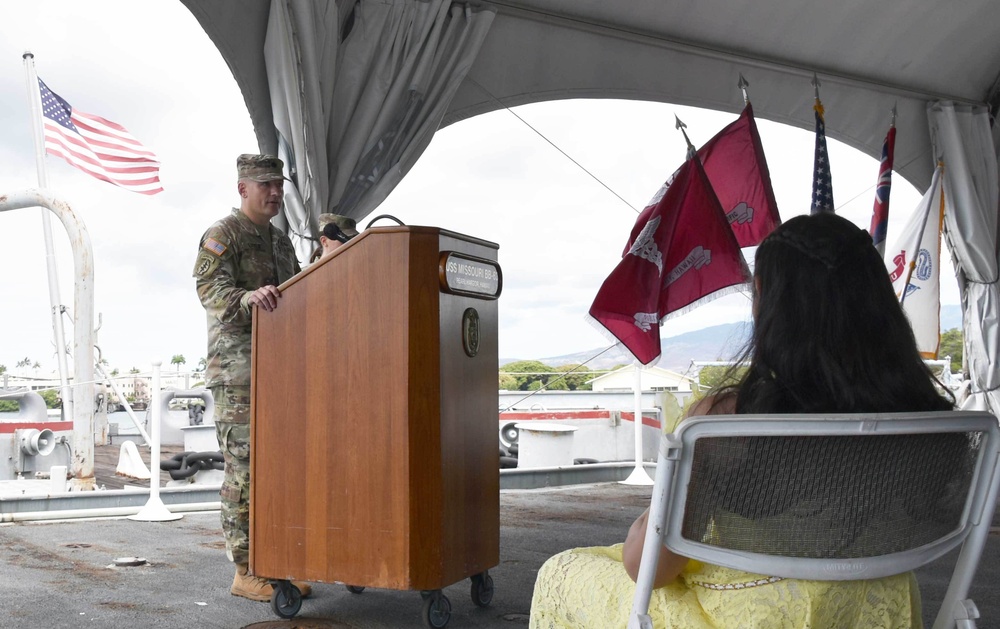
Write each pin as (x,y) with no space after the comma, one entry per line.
(266,297)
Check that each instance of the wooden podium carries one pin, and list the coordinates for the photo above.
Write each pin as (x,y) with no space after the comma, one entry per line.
(374,415)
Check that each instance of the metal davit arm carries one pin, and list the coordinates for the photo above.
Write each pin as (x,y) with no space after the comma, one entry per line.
(82,405)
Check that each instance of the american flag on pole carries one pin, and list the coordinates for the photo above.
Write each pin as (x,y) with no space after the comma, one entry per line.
(682,253)
(735,165)
(822,197)
(880,215)
(98,147)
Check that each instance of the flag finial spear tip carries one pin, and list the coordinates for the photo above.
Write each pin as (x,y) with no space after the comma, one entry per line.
(743,84)
(893,115)
(815,83)
(680,125)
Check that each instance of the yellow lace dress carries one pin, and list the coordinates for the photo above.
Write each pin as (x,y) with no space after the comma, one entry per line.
(588,588)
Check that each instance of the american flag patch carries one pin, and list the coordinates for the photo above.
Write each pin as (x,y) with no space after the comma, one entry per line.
(214,246)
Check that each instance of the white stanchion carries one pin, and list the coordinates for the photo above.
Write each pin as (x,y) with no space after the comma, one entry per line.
(639,476)
(155,510)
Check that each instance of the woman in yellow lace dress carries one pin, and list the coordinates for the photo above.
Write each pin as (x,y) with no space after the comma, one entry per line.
(829,337)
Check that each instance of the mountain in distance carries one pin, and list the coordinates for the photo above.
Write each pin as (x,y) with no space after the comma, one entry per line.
(718,342)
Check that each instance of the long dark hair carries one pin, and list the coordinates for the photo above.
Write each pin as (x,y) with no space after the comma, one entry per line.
(830,337)
(829,334)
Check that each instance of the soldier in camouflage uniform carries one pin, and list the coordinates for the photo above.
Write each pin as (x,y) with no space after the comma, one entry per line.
(241,261)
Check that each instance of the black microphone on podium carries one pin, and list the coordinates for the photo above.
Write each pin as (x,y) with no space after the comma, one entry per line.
(333,232)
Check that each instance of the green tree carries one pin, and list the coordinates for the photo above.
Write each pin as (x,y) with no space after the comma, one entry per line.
(577,377)
(178,360)
(556,383)
(51,398)
(202,364)
(507,382)
(713,376)
(952,345)
(527,372)
(134,370)
(3,369)
(114,372)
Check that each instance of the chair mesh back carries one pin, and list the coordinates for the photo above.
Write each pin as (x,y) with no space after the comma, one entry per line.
(829,497)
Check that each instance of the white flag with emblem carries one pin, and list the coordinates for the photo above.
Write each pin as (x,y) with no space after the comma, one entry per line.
(914,267)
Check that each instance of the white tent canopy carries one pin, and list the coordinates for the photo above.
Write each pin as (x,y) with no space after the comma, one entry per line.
(918,56)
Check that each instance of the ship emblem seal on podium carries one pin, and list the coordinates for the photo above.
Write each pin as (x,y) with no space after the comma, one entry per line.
(470,332)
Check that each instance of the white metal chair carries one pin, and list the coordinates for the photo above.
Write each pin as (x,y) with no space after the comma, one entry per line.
(826,497)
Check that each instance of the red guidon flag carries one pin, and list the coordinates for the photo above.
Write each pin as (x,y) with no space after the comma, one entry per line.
(682,253)
(734,162)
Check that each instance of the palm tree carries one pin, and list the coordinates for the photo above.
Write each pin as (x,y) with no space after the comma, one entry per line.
(178,360)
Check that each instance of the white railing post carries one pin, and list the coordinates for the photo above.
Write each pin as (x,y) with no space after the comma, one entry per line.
(638,475)
(155,510)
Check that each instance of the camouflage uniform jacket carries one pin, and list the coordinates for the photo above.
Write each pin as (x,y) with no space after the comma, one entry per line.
(233,261)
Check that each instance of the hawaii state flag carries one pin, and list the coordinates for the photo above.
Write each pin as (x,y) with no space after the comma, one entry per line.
(734,162)
(914,266)
(880,215)
(682,253)
(99,147)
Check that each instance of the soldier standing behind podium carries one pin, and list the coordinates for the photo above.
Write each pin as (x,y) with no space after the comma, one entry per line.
(242,259)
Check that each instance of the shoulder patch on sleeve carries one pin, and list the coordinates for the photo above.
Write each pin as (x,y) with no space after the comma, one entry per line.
(213,245)
(206,264)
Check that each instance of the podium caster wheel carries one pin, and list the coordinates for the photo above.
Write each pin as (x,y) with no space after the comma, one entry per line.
(355,589)
(286,600)
(482,589)
(437,610)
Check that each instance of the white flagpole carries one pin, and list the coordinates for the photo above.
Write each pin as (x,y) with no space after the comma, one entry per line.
(35,103)
(638,475)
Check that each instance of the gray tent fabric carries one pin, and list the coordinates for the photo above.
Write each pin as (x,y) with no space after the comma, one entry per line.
(300,55)
(963,140)
(869,57)
(357,91)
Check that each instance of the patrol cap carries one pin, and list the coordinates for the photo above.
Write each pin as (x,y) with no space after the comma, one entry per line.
(346,224)
(259,167)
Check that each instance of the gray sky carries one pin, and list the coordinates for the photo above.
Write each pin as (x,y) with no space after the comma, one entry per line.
(150,67)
